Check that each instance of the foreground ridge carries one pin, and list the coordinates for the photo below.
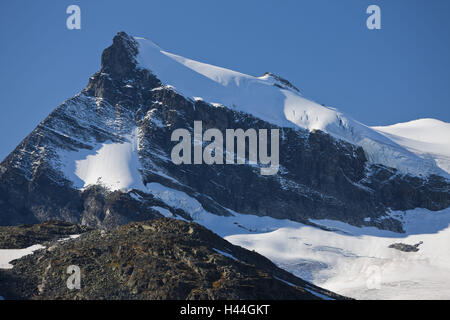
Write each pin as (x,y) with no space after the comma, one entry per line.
(156,259)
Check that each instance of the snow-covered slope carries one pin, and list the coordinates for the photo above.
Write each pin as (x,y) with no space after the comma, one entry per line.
(114,165)
(353,261)
(277,102)
(8,255)
(358,262)
(428,138)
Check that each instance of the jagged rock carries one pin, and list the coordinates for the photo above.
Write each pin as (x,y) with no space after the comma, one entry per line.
(155,259)
(406,247)
(24,236)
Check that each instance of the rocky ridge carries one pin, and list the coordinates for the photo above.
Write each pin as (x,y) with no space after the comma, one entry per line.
(155,259)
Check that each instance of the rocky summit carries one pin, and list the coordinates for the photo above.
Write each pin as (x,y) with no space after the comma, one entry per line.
(154,259)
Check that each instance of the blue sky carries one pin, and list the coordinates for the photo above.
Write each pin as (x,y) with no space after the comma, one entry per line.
(395,74)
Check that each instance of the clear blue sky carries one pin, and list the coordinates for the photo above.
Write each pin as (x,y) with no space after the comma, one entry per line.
(395,74)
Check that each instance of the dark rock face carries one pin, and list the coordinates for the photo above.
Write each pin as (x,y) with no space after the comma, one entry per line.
(406,247)
(24,236)
(319,177)
(27,202)
(156,259)
(281,82)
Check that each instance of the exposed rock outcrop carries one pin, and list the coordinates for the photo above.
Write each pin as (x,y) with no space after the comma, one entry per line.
(155,259)
(406,247)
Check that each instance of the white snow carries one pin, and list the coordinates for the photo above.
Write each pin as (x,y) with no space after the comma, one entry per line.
(114,165)
(71,237)
(286,282)
(281,106)
(175,198)
(149,116)
(225,254)
(357,262)
(166,213)
(428,138)
(8,255)
(317,294)
(352,261)
(135,196)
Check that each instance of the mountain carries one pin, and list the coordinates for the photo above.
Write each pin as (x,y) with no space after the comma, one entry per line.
(102,158)
(344,197)
(156,259)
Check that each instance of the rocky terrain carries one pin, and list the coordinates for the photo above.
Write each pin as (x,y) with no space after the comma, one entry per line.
(155,259)
(19,237)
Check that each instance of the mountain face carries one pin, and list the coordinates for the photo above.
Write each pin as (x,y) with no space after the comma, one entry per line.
(156,259)
(98,158)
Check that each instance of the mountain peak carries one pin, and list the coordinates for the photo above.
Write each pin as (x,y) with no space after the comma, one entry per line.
(120,58)
(119,75)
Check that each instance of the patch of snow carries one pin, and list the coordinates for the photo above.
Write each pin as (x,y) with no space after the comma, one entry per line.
(135,196)
(156,121)
(317,294)
(225,254)
(286,282)
(164,175)
(114,165)
(166,213)
(72,236)
(8,255)
(175,198)
(238,223)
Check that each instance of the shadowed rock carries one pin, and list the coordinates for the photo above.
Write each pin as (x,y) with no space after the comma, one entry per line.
(155,259)
(406,247)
